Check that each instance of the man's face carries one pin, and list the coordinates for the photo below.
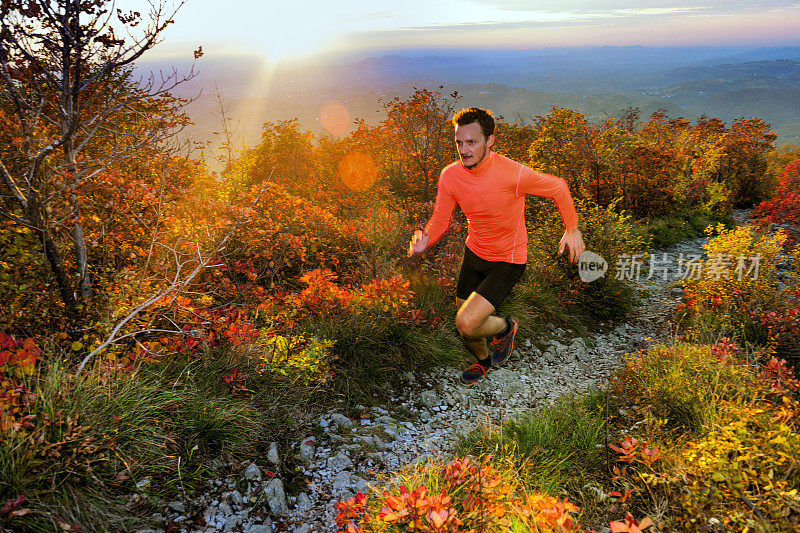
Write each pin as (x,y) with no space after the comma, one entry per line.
(472,145)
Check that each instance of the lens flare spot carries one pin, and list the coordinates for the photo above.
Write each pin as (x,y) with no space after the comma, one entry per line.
(335,118)
(358,171)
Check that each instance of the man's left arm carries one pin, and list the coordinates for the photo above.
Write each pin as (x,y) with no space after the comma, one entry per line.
(549,186)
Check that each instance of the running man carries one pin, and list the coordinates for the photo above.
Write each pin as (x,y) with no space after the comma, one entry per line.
(491,189)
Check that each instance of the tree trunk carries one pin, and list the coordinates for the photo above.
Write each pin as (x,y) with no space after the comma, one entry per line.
(79,243)
(56,263)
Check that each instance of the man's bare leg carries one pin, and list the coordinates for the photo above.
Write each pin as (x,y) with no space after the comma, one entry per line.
(475,321)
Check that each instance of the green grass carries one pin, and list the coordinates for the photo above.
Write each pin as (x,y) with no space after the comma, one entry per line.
(95,437)
(372,350)
(535,302)
(672,229)
(556,448)
(683,384)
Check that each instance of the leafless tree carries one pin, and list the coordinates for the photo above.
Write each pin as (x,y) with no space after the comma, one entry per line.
(66,68)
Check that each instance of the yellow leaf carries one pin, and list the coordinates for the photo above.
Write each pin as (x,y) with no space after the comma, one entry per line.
(77,345)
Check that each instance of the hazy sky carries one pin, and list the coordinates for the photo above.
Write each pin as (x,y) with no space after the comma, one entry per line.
(288,28)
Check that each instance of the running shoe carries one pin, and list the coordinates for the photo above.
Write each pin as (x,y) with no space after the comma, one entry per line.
(474,373)
(502,346)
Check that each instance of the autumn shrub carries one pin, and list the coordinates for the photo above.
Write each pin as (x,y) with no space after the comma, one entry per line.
(374,330)
(30,305)
(738,278)
(465,494)
(657,381)
(737,470)
(285,235)
(782,330)
(739,474)
(784,208)
(605,232)
(555,448)
(18,360)
(81,442)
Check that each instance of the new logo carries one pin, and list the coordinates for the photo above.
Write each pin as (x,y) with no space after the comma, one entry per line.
(591,266)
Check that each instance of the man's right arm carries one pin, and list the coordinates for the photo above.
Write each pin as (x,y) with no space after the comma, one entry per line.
(439,222)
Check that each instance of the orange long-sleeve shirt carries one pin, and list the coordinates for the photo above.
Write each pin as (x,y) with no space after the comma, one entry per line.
(492,196)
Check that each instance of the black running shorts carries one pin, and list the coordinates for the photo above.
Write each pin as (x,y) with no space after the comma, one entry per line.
(491,279)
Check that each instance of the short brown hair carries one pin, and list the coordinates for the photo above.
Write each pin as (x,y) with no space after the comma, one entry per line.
(475,114)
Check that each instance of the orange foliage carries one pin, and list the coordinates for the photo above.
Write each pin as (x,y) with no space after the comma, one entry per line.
(784,208)
(474,497)
(17,359)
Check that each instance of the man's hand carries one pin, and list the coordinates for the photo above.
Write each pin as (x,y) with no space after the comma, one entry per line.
(419,241)
(574,240)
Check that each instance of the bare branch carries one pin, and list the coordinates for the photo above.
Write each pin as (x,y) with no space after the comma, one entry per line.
(175,287)
(138,309)
(135,51)
(19,220)
(12,187)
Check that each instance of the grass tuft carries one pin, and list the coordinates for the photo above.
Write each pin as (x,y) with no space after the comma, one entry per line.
(659,379)
(555,448)
(95,437)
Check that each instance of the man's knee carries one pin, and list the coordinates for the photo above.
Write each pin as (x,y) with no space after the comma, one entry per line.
(467,326)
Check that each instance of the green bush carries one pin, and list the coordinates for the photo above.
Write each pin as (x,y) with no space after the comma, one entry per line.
(683,384)
(92,438)
(606,233)
(555,448)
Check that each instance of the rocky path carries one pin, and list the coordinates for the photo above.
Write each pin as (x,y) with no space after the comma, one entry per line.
(343,455)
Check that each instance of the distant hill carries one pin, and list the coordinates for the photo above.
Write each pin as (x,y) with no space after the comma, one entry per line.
(724,82)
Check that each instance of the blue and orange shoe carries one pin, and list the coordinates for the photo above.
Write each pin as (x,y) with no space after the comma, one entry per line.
(502,346)
(474,373)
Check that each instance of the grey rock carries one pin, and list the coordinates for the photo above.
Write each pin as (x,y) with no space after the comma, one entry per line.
(216,464)
(340,420)
(272,454)
(259,528)
(232,523)
(358,484)
(304,528)
(341,482)
(225,508)
(308,448)
(178,507)
(429,398)
(236,497)
(392,431)
(366,439)
(252,473)
(144,483)
(275,496)
(304,502)
(340,461)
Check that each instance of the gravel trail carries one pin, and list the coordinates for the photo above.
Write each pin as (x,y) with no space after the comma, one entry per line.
(344,455)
